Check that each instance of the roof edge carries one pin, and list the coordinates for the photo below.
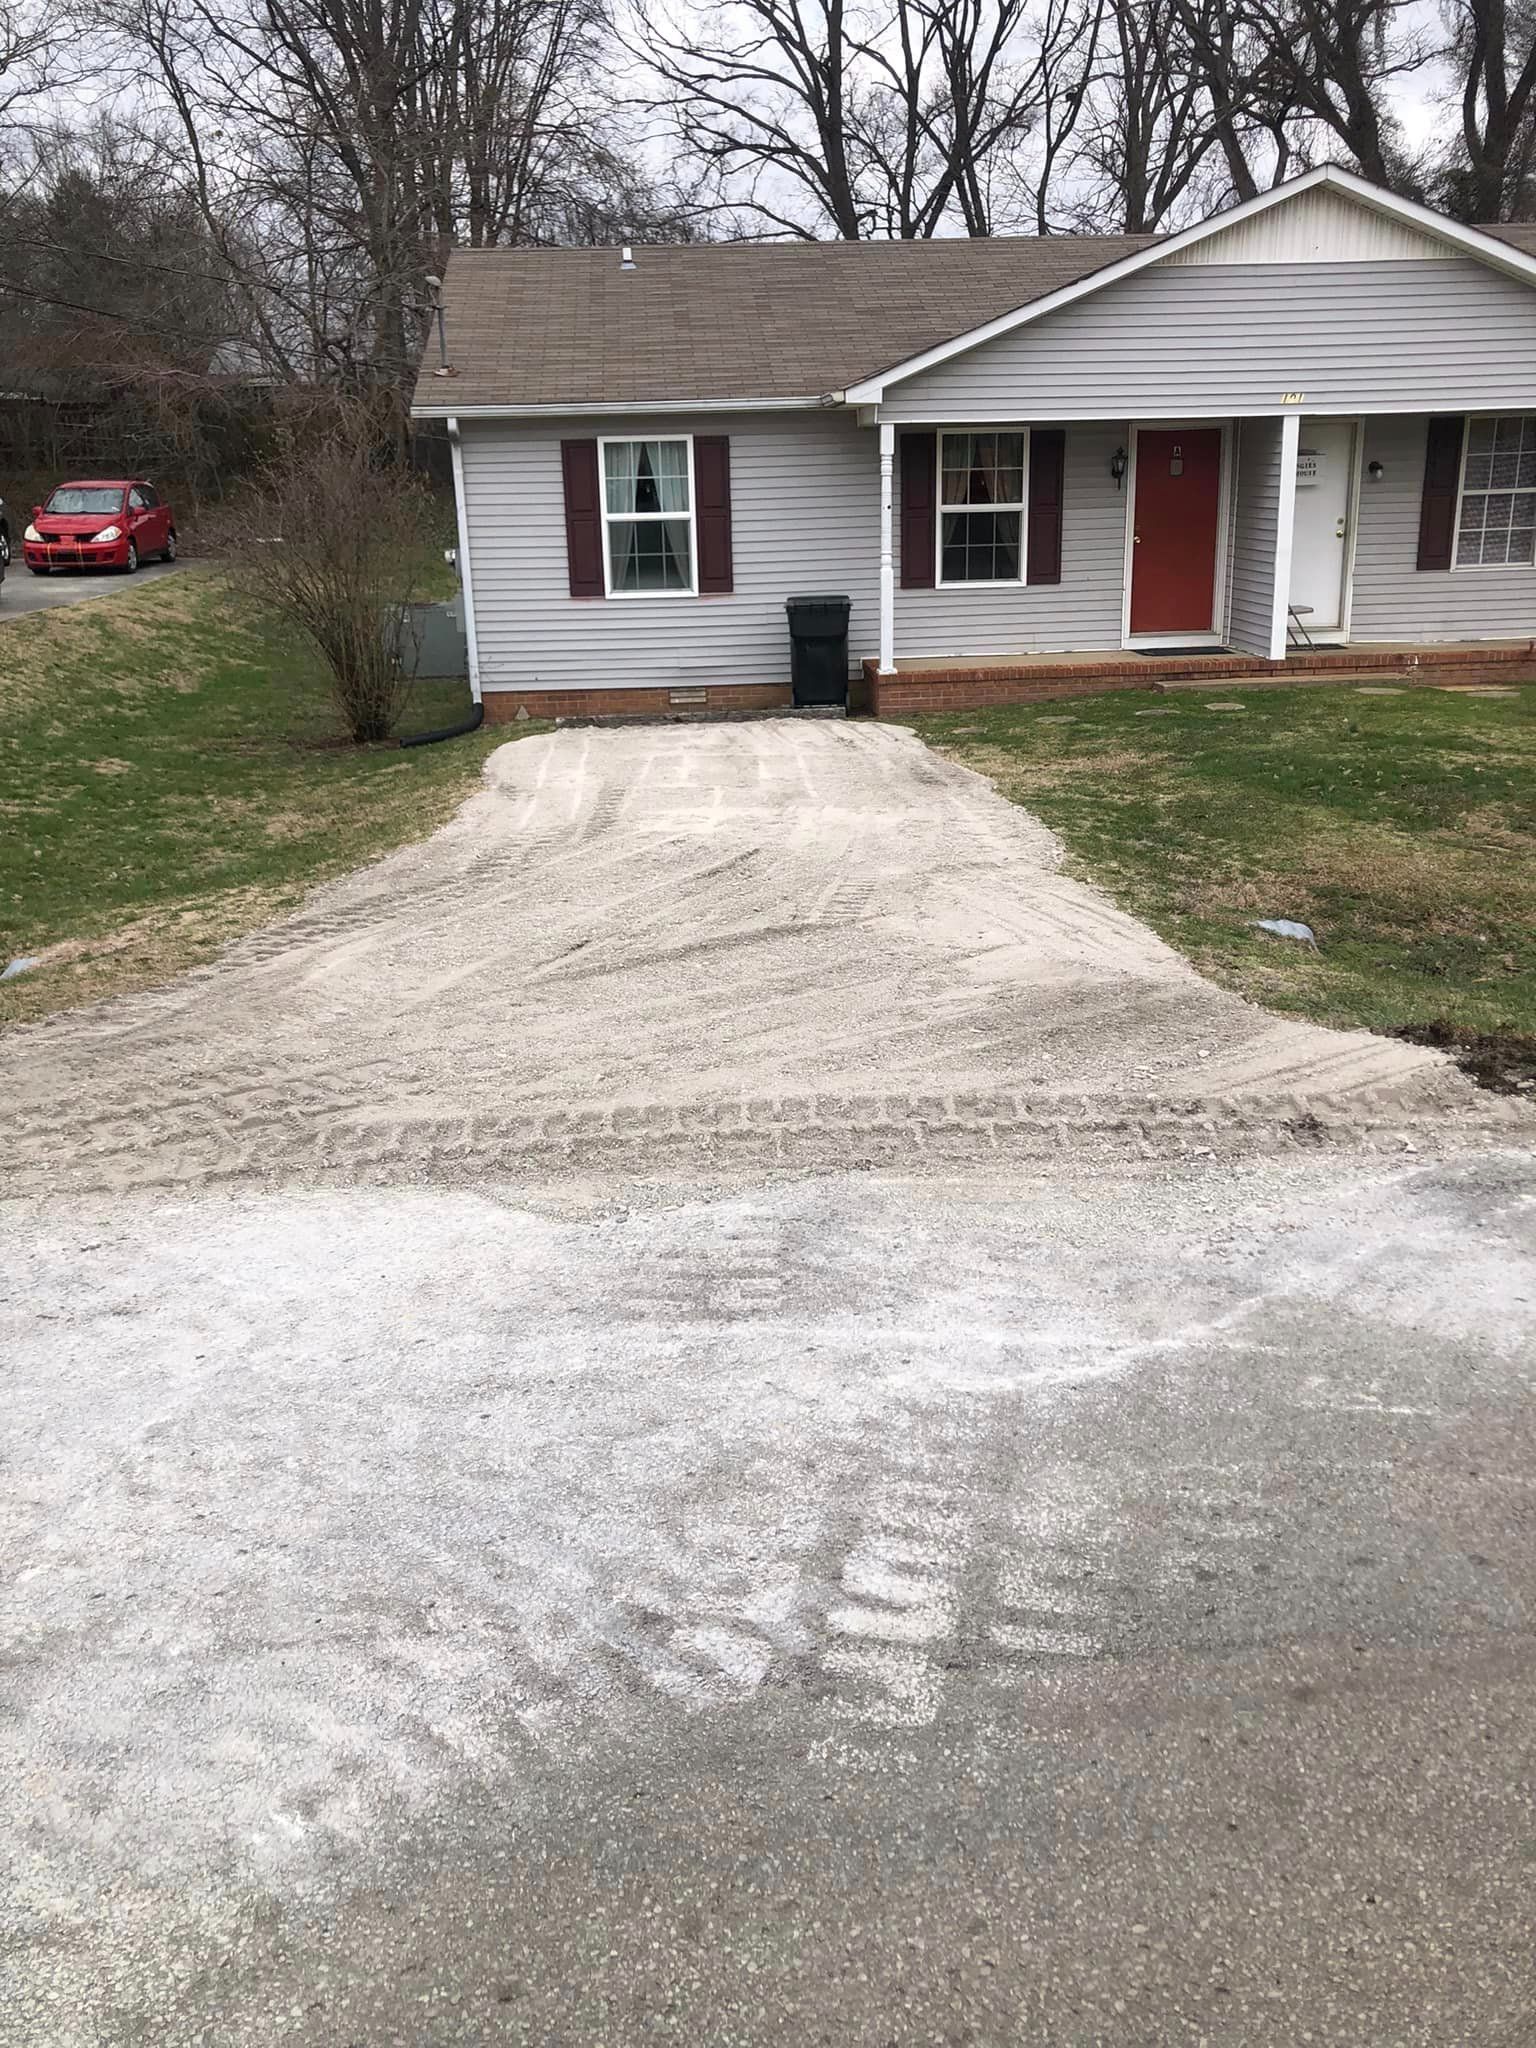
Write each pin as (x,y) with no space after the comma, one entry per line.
(1473,241)
(617,408)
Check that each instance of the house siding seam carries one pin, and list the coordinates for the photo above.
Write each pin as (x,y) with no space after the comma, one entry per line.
(1255,536)
(1231,339)
(1082,610)
(805,516)
(1393,598)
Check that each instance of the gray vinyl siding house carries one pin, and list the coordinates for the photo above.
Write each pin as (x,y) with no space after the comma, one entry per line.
(1308,424)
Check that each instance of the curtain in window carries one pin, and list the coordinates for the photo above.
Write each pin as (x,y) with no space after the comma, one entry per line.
(646,476)
(643,482)
(981,470)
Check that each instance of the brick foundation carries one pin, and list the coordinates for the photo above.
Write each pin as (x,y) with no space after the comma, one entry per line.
(973,686)
(503,706)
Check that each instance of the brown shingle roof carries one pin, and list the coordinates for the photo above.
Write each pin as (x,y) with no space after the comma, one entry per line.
(727,320)
(1520,234)
(724,320)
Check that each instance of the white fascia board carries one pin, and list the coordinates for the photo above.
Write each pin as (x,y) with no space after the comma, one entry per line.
(627,409)
(1469,240)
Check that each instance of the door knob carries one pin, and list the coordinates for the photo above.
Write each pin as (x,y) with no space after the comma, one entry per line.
(1338,531)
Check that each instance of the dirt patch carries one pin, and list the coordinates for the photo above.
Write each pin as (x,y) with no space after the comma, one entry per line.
(1503,1061)
(1015,777)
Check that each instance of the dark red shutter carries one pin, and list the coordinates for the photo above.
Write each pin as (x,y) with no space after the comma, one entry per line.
(712,485)
(1047,461)
(919,459)
(583,518)
(1442,480)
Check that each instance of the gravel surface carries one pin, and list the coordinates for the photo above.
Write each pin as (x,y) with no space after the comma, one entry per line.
(664,949)
(719,1408)
(1095,1609)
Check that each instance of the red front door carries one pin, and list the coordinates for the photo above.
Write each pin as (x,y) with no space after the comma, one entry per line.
(1177,514)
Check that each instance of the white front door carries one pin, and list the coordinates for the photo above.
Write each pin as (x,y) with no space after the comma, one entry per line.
(1325,490)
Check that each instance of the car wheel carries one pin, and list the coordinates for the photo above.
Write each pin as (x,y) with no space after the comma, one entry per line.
(168,553)
(5,546)
(133,558)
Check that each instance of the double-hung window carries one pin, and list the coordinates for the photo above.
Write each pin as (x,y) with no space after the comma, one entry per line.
(648,539)
(981,507)
(1497,520)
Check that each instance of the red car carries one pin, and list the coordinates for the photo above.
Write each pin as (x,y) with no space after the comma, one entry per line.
(113,523)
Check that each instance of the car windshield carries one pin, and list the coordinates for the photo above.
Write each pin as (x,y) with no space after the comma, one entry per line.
(76,498)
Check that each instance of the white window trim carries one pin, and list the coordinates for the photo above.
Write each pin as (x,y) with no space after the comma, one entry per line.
(940,582)
(1479,568)
(606,441)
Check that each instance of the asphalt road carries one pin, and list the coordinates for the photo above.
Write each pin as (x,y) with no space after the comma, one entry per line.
(22,592)
(1081,1610)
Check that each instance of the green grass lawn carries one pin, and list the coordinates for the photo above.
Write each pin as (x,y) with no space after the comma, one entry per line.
(1401,827)
(168,780)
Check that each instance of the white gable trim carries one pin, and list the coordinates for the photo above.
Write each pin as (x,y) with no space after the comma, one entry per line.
(1449,233)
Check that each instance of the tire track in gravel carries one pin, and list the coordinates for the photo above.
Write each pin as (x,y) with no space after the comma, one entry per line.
(719,948)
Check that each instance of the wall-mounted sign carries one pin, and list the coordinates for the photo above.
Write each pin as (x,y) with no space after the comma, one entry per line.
(1309,467)
(1293,398)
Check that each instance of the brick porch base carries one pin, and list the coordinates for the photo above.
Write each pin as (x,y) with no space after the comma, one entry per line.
(971,686)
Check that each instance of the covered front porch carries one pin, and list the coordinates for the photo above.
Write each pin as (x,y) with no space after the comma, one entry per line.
(1028,560)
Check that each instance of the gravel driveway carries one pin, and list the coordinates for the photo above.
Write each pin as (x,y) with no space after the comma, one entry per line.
(718,1408)
(667,949)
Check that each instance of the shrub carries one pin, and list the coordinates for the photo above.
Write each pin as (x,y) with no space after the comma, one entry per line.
(337,539)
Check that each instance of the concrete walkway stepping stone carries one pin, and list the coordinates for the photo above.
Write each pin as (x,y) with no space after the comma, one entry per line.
(1226,707)
(1379,690)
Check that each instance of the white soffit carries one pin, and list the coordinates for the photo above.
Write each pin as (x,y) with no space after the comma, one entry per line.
(1316,226)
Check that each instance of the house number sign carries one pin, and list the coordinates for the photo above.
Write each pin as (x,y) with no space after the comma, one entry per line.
(1293,398)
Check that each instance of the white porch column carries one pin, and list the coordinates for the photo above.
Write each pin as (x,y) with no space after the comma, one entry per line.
(1285,528)
(887,552)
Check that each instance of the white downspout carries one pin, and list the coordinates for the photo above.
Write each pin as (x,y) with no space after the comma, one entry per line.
(466,580)
(1285,534)
(887,553)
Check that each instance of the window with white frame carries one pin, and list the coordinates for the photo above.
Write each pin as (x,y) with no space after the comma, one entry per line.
(1496,524)
(648,516)
(981,508)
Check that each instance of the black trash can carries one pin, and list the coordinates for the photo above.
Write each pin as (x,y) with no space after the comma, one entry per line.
(818,649)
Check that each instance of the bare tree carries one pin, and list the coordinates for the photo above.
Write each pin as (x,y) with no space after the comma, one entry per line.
(1490,171)
(908,119)
(336,152)
(1330,67)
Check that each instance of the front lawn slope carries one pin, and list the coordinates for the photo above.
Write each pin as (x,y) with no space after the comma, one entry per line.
(1400,825)
(170,778)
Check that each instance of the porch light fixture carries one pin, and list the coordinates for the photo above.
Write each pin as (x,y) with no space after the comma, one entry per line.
(1375,471)
(1117,467)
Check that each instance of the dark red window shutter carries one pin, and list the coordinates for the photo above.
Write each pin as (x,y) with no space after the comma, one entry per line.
(1047,462)
(712,487)
(919,460)
(583,518)
(1442,480)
